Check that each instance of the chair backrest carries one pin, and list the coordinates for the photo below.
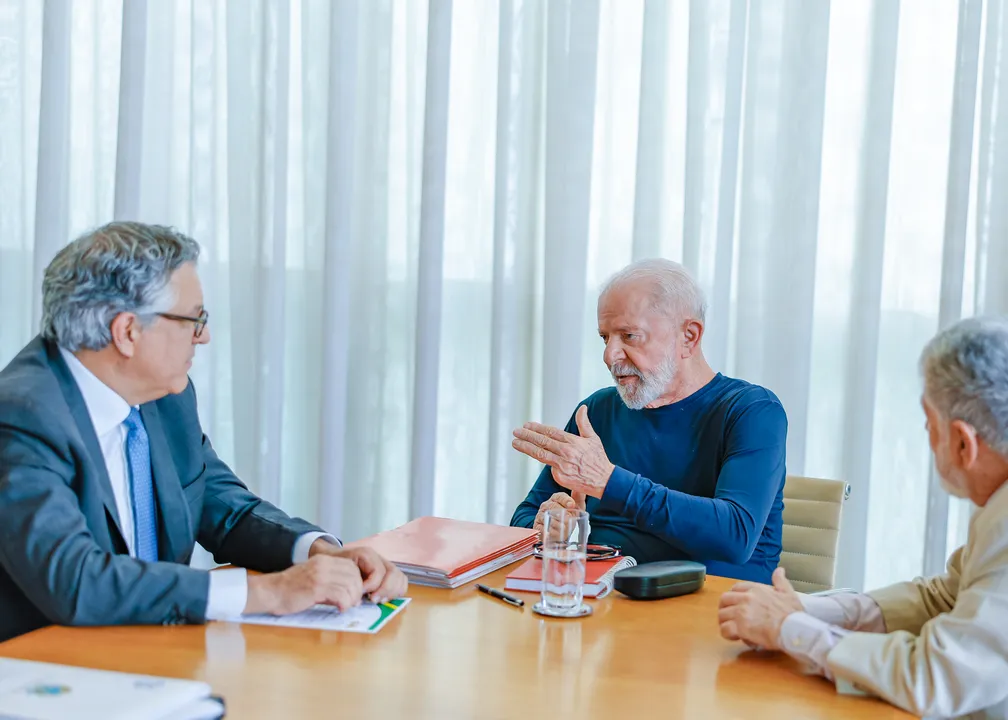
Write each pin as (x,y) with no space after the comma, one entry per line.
(812,512)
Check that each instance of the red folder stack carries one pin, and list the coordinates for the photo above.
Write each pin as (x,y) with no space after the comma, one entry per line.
(446,553)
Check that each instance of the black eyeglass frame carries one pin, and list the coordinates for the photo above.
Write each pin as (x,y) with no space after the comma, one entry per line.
(595,552)
(198,322)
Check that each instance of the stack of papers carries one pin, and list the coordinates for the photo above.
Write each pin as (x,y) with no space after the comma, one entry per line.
(43,691)
(445,553)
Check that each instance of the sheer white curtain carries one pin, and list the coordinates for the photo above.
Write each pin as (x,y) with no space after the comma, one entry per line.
(406,208)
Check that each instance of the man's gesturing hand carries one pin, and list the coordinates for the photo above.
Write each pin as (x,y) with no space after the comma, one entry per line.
(578,463)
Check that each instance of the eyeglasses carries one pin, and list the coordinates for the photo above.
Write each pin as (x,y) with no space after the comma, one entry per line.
(198,322)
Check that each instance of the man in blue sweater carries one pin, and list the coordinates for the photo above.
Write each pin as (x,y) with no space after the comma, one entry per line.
(676,461)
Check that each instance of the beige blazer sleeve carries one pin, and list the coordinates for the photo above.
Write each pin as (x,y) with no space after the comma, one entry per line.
(907,606)
(946,652)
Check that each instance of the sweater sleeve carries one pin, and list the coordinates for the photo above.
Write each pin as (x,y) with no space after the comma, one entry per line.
(727,526)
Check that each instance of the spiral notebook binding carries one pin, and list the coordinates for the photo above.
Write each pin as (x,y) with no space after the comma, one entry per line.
(607,580)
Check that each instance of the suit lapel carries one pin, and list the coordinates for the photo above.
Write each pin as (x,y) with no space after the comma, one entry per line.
(175,533)
(79,412)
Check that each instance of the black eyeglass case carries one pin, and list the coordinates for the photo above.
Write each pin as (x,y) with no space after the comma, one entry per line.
(658,580)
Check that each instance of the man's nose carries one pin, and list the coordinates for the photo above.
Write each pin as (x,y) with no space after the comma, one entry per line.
(613,352)
(204,337)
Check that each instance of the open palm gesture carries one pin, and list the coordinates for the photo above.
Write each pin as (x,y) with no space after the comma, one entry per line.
(578,462)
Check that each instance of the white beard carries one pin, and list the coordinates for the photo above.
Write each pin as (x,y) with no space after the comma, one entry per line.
(649,387)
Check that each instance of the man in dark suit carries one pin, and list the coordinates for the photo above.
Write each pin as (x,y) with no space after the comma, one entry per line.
(106,478)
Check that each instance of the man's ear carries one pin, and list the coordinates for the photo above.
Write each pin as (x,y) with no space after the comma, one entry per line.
(124,329)
(692,335)
(965,445)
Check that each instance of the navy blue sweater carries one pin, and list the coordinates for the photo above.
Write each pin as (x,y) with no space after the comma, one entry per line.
(701,479)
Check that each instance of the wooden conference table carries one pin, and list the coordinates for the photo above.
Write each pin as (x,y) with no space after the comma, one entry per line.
(464,655)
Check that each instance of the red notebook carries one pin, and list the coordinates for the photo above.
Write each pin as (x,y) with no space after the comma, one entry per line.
(448,553)
(598,575)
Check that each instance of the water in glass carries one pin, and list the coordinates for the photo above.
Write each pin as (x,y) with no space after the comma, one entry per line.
(563,577)
(565,539)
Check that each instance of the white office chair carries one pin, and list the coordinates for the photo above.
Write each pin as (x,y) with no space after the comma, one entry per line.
(812,512)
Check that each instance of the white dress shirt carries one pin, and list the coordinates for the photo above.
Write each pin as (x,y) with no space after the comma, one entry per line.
(809,636)
(228,588)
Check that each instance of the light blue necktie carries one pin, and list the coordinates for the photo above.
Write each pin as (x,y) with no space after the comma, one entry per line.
(142,488)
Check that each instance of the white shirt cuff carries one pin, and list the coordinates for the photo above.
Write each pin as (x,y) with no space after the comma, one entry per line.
(228,594)
(851,611)
(304,543)
(810,640)
(826,608)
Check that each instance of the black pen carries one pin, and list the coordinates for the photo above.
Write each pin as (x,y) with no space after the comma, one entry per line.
(510,600)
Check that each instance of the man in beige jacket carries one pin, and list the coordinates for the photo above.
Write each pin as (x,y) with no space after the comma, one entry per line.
(938,646)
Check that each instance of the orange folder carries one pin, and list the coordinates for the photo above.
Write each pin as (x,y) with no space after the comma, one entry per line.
(442,552)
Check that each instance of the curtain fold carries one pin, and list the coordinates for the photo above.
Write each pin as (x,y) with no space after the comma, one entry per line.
(339,259)
(430,281)
(954,251)
(52,203)
(866,283)
(406,209)
(516,245)
(572,29)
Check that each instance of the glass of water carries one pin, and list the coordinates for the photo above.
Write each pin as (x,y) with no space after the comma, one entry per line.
(564,555)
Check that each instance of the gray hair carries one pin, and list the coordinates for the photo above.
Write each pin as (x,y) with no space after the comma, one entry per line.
(674,290)
(120,267)
(965,369)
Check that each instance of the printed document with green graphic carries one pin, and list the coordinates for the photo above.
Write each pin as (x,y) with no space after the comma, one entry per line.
(365,618)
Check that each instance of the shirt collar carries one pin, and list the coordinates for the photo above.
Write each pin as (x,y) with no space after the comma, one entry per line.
(998,496)
(105,406)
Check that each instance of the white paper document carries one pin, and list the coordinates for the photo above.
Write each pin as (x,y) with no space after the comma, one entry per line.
(44,691)
(365,618)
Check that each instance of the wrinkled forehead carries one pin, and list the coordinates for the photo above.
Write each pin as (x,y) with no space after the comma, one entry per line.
(631,304)
(633,297)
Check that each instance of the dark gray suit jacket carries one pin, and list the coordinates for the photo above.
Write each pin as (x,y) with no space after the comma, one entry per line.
(62,556)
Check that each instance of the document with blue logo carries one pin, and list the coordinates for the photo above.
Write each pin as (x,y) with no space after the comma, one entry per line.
(44,691)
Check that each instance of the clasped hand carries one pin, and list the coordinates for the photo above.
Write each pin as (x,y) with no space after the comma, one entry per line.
(332,576)
(754,613)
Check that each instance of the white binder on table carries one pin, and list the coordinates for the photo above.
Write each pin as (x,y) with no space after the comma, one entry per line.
(44,691)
